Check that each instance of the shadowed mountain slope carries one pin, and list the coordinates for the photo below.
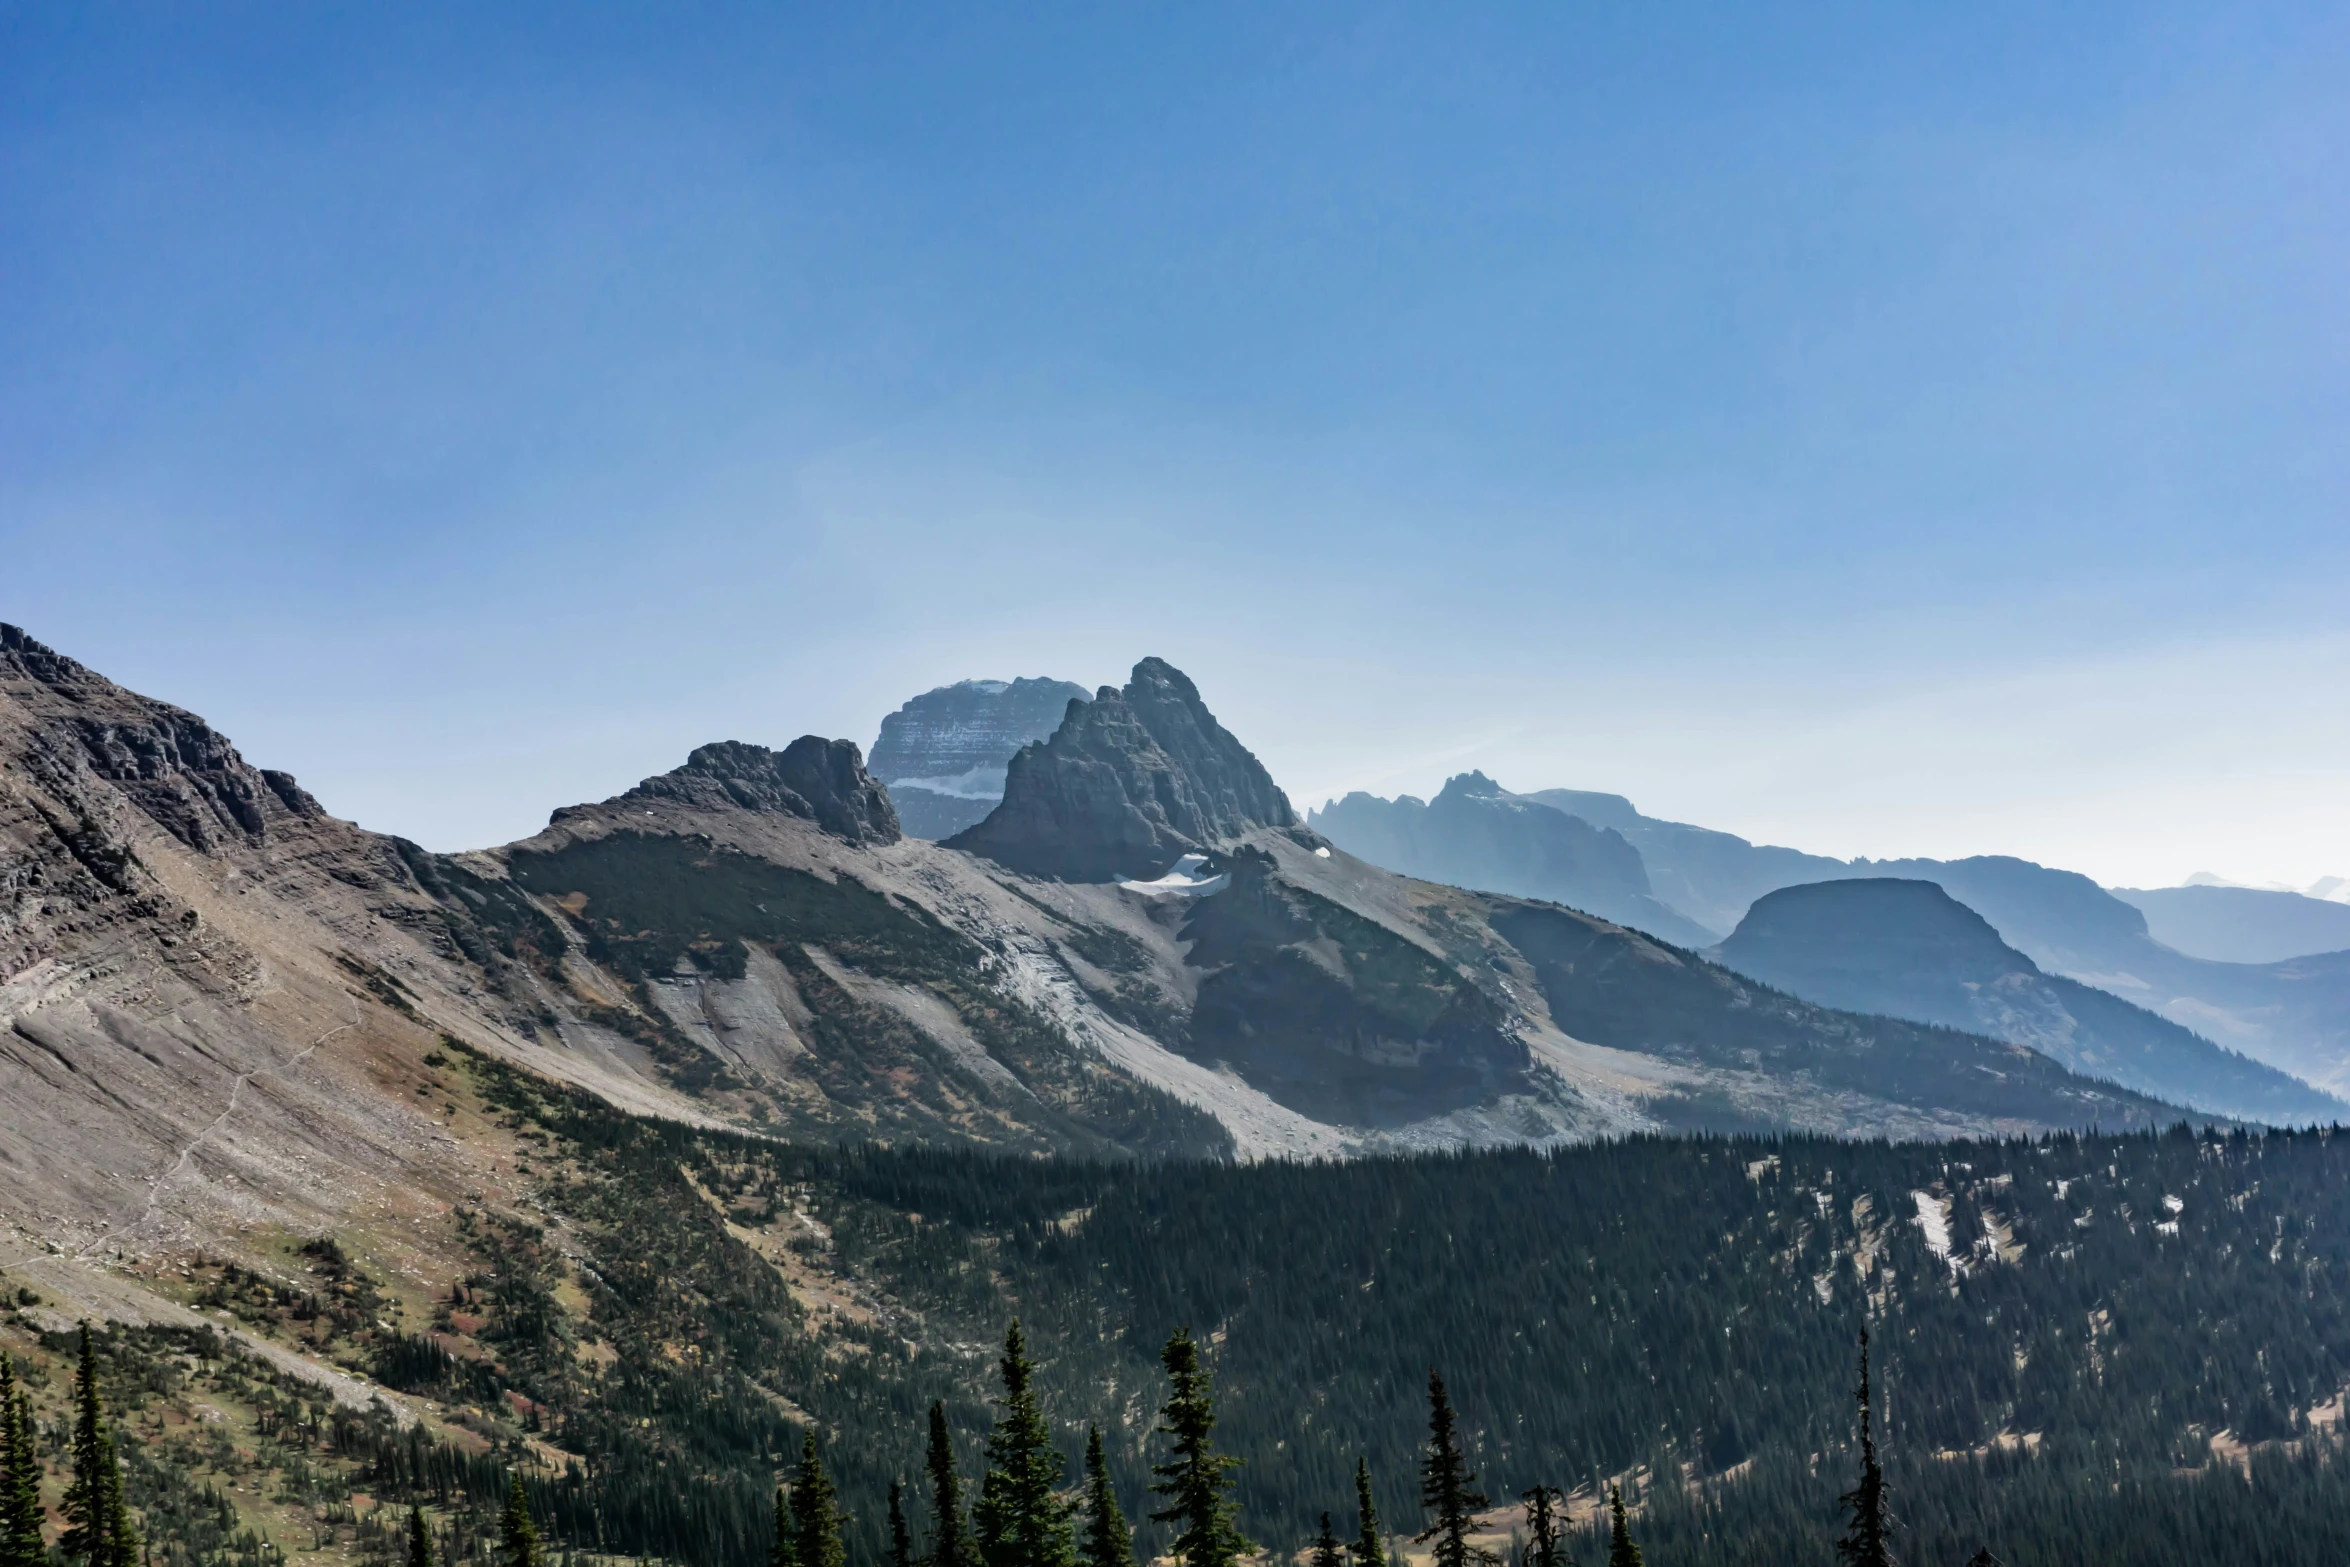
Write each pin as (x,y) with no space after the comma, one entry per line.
(1908,949)
(2293,1014)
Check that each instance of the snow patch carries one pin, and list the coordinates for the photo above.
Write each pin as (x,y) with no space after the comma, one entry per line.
(1186,878)
(1934,1219)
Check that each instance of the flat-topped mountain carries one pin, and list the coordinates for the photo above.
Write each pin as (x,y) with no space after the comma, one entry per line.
(1128,782)
(942,755)
(1908,949)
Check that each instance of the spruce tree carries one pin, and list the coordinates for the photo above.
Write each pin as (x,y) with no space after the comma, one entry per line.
(419,1539)
(1621,1552)
(94,1509)
(1108,1542)
(1195,1479)
(950,1541)
(816,1542)
(784,1550)
(901,1539)
(518,1537)
(20,1476)
(1326,1552)
(1021,1521)
(1867,1540)
(1445,1485)
(1542,1528)
(1367,1550)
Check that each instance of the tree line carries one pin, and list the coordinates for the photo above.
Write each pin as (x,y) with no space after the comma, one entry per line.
(1024,1517)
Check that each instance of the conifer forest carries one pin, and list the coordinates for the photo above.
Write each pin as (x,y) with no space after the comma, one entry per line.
(706,1348)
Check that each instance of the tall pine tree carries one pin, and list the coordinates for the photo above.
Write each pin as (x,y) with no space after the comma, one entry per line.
(816,1541)
(1195,1479)
(1445,1484)
(20,1476)
(1621,1552)
(419,1539)
(901,1538)
(518,1537)
(98,1529)
(1542,1528)
(1107,1541)
(1022,1522)
(1367,1549)
(1868,1533)
(950,1540)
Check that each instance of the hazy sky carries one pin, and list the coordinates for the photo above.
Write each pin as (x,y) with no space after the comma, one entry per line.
(1880,429)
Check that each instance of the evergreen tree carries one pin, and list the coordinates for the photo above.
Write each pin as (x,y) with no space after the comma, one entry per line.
(1195,1479)
(1542,1528)
(1445,1485)
(1366,1550)
(518,1537)
(20,1476)
(1621,1552)
(1326,1552)
(419,1539)
(784,1550)
(901,1539)
(950,1542)
(1021,1521)
(1108,1542)
(1867,1538)
(94,1510)
(816,1541)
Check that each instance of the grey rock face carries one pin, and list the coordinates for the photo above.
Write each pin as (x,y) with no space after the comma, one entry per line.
(1130,781)
(942,755)
(818,780)
(169,763)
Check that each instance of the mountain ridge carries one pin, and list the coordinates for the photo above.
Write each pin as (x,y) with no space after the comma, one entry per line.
(1907,948)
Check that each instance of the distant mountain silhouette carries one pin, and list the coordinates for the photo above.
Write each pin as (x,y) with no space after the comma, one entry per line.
(1906,948)
(2241,924)
(2293,1014)
(1476,834)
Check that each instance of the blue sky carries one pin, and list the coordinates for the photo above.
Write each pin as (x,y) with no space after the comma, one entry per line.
(1885,429)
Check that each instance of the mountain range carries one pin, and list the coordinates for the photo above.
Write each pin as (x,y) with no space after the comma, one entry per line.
(751,940)
(2292,1014)
(724,1111)
(1909,949)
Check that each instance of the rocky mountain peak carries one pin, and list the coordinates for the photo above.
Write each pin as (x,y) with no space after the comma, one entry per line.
(1470,786)
(818,780)
(170,764)
(1130,781)
(942,755)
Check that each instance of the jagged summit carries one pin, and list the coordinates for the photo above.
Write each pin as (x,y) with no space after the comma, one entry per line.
(819,780)
(169,763)
(1130,781)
